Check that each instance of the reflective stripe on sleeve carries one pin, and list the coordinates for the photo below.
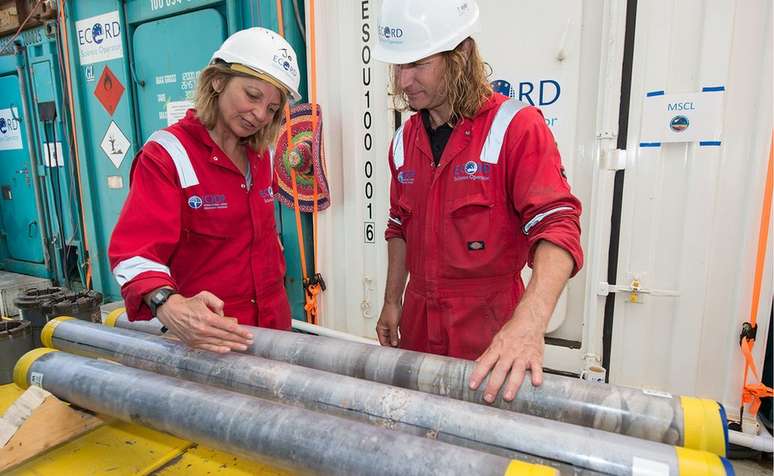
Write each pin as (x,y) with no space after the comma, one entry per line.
(539,217)
(128,269)
(490,153)
(397,148)
(170,143)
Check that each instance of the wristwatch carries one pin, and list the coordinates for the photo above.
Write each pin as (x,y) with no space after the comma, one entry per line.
(158,298)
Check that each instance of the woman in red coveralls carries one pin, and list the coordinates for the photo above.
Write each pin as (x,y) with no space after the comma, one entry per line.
(196,244)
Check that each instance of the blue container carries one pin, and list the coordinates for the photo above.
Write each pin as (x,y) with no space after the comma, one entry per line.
(151,50)
(39,207)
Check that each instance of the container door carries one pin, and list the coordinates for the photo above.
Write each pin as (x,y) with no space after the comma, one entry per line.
(20,226)
(168,55)
(691,208)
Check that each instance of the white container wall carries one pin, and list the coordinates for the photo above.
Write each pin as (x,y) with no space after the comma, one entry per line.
(565,57)
(690,214)
(352,92)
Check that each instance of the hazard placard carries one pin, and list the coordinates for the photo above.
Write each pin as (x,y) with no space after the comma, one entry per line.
(115,144)
(109,90)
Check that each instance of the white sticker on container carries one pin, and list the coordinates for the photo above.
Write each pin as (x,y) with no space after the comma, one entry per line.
(115,182)
(656,393)
(686,117)
(10,129)
(99,38)
(36,378)
(176,110)
(54,155)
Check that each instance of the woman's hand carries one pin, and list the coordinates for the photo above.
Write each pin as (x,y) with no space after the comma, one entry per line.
(199,322)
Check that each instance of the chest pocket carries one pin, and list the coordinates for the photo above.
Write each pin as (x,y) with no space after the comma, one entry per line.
(216,211)
(476,239)
(467,228)
(213,224)
(472,229)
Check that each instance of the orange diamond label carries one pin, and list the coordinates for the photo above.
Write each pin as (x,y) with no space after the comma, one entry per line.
(109,90)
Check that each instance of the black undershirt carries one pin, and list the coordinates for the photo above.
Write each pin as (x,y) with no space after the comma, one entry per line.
(439,136)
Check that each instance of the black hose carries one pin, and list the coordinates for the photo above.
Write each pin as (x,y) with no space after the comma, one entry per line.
(56,189)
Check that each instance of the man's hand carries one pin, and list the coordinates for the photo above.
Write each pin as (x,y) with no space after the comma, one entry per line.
(518,347)
(389,319)
(387,326)
(199,322)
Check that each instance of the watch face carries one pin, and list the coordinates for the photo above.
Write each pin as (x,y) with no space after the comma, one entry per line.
(158,296)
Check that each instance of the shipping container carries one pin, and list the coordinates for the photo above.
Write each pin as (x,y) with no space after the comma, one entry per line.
(669,231)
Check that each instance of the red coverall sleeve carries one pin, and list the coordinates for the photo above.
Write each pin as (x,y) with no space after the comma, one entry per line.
(396,214)
(537,188)
(148,230)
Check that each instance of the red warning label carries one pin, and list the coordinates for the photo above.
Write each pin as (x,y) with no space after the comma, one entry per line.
(109,90)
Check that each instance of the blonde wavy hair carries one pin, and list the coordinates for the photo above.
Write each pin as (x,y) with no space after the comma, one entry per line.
(465,81)
(206,104)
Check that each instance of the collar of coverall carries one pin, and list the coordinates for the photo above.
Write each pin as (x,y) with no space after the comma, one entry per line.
(494,100)
(196,130)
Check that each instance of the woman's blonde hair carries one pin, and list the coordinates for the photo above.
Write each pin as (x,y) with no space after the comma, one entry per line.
(465,82)
(206,103)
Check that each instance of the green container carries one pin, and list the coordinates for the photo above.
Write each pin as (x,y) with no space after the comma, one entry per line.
(40,226)
(153,50)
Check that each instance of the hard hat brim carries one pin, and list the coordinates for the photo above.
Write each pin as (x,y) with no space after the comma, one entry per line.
(223,54)
(390,56)
(293,95)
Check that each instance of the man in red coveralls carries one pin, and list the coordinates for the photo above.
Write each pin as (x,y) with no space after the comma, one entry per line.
(478,191)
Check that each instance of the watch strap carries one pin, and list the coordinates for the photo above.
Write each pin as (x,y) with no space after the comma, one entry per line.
(158,299)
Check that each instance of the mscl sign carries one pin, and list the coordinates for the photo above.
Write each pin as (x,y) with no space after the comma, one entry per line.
(99,38)
(690,117)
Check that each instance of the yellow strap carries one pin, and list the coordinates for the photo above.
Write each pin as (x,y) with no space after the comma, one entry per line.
(22,368)
(240,68)
(313,100)
(752,393)
(112,318)
(310,305)
(529,469)
(698,463)
(703,425)
(47,334)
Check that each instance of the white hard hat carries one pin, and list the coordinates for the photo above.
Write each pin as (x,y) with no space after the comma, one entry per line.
(265,54)
(410,30)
